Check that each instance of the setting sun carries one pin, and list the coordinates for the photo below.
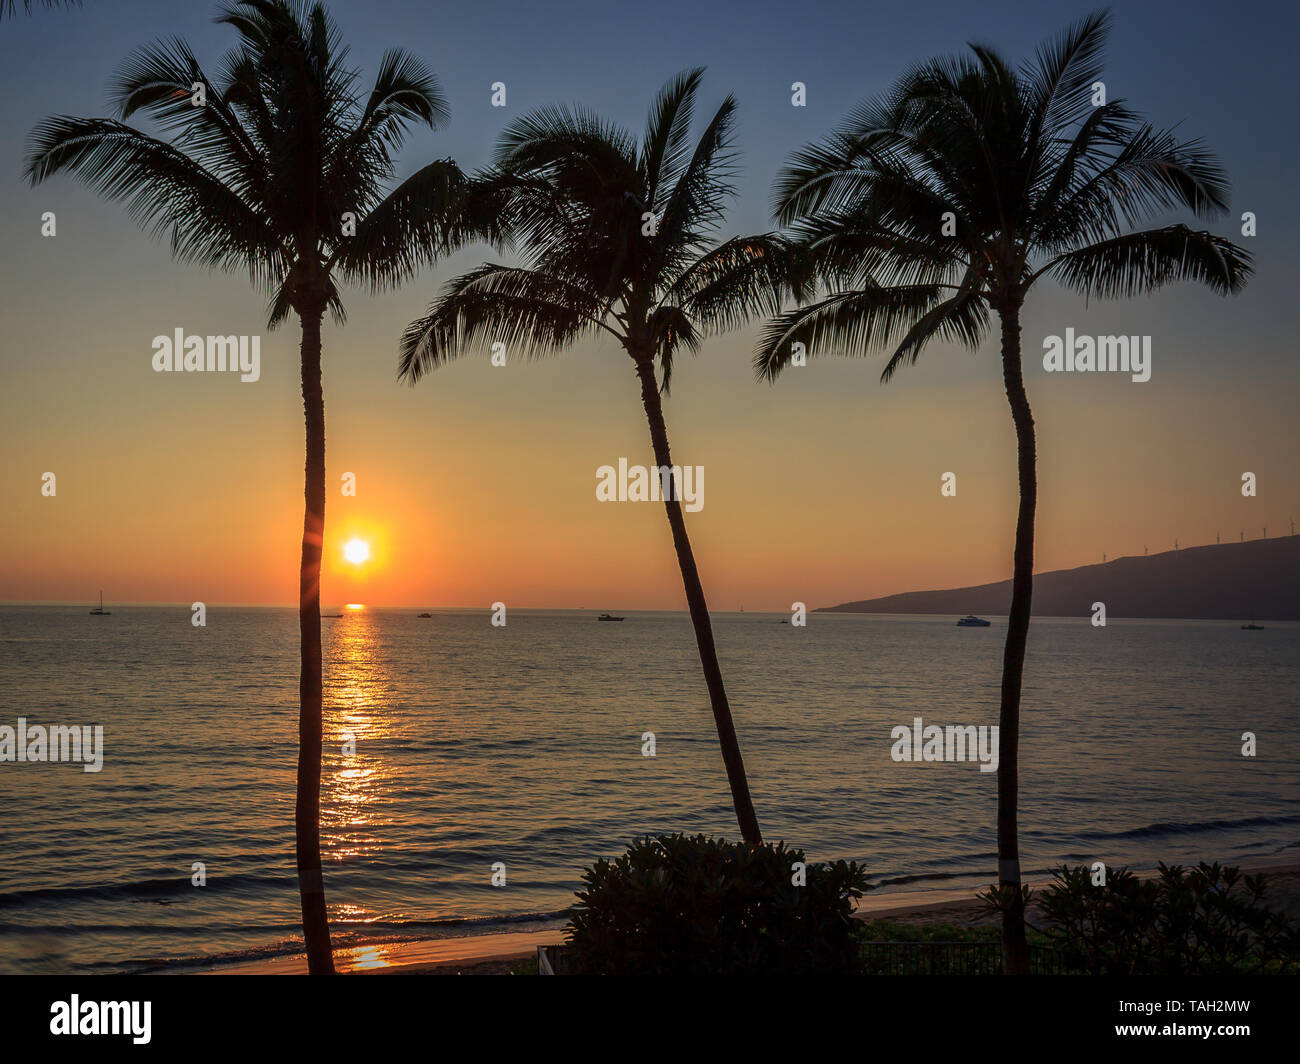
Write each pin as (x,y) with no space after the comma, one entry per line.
(356,551)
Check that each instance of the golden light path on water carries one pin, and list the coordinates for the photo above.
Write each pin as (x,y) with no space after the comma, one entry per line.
(358,704)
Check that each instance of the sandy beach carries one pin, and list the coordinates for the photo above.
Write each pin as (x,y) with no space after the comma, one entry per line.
(500,954)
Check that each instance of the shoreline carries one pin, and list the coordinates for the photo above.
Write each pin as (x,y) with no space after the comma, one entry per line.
(494,953)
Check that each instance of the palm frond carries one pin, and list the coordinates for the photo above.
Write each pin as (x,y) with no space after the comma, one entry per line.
(1138,263)
(434,211)
(961,319)
(670,329)
(695,206)
(163,190)
(854,323)
(667,137)
(1151,172)
(523,309)
(740,279)
(405,91)
(10,7)
(1060,82)
(159,79)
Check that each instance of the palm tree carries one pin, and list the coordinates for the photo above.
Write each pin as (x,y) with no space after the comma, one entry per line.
(262,176)
(614,238)
(950,197)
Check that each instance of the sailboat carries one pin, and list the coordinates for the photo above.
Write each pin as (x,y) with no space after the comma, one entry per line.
(101,612)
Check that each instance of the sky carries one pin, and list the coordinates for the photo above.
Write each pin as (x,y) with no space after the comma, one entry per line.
(478,484)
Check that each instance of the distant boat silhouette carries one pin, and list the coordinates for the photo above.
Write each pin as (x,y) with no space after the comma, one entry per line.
(424,614)
(101,612)
(608,617)
(971,621)
(1252,627)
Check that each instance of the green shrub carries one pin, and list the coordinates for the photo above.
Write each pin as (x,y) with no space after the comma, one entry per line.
(677,905)
(1207,920)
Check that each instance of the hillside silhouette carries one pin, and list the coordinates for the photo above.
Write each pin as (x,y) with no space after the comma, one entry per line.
(1257,580)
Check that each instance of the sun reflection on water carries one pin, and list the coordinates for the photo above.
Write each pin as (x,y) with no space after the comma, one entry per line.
(358,718)
(363,958)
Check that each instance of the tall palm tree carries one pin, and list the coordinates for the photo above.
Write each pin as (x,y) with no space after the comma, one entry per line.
(950,197)
(615,238)
(260,177)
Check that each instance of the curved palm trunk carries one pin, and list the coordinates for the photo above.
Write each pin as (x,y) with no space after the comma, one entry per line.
(699,615)
(1015,950)
(315,924)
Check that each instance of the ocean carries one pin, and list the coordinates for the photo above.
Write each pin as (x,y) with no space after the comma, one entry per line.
(524,745)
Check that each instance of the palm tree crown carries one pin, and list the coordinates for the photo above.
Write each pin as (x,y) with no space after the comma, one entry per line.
(615,236)
(261,174)
(1034,178)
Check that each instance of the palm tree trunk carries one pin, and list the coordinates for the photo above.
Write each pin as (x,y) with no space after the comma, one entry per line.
(699,614)
(1015,950)
(315,924)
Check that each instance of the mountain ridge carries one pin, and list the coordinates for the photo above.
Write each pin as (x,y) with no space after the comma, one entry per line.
(1257,580)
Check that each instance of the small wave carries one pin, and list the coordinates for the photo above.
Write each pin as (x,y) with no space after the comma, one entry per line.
(143,889)
(1175,828)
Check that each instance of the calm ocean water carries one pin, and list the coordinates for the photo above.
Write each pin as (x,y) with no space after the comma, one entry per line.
(523,745)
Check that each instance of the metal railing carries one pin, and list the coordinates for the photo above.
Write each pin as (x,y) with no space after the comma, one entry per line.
(951,958)
(553,960)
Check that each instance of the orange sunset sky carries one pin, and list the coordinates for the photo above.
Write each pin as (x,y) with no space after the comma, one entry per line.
(478,484)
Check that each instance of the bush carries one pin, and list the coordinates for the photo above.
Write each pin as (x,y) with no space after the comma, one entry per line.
(1207,921)
(679,905)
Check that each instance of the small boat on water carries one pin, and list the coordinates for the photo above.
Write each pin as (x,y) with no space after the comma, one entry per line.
(608,617)
(1252,627)
(101,612)
(424,614)
(971,621)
